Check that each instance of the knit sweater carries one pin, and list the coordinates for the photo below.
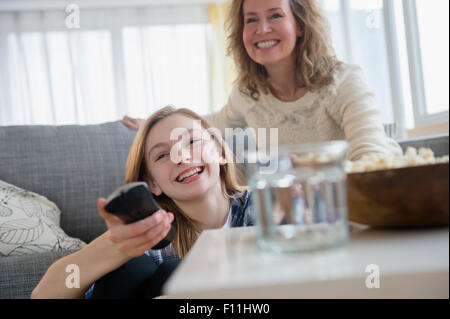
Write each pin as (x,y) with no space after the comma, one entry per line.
(345,109)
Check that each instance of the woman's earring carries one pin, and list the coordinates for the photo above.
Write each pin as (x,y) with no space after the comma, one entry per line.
(222,161)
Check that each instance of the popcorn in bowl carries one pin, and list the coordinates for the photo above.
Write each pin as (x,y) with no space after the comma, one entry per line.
(412,157)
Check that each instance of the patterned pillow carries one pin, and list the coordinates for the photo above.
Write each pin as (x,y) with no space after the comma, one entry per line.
(29,224)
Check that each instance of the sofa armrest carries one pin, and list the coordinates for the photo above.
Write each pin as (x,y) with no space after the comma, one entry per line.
(19,275)
(437,143)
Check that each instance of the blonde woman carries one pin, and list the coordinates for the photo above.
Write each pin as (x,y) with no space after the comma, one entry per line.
(289,78)
(196,189)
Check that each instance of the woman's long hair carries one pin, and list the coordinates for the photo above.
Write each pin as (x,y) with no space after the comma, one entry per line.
(315,57)
(136,170)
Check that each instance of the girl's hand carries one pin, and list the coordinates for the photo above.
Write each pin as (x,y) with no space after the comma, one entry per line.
(136,238)
(132,122)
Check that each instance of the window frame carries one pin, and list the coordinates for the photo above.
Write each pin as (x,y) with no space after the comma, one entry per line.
(393,55)
(416,79)
(419,102)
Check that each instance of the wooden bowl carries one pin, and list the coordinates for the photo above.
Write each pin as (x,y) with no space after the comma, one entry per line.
(400,198)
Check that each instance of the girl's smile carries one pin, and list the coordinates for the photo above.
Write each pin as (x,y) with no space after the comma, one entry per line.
(190,175)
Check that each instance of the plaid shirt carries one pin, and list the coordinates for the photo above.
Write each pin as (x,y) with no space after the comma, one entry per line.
(242,214)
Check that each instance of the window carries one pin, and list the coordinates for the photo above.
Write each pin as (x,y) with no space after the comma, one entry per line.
(132,59)
(166,65)
(359,38)
(395,43)
(427,28)
(121,61)
(433,21)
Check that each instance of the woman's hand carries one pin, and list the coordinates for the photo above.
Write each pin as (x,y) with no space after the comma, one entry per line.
(132,122)
(136,238)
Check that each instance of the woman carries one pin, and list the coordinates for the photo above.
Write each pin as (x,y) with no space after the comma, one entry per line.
(290,79)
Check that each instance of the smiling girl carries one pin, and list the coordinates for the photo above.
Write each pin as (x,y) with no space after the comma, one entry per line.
(194,182)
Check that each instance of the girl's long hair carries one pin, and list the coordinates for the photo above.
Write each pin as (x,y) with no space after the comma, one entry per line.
(315,57)
(136,170)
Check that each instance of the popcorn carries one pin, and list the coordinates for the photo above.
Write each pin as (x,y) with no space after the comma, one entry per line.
(426,153)
(412,157)
(411,152)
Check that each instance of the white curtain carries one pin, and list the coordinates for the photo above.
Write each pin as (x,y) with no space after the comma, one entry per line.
(120,61)
(135,60)
(358,33)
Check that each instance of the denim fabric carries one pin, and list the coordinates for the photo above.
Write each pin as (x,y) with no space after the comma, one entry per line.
(241,215)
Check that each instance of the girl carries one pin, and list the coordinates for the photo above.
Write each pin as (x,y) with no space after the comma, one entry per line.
(289,78)
(193,181)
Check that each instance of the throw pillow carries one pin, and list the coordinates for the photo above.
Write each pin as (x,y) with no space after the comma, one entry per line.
(29,223)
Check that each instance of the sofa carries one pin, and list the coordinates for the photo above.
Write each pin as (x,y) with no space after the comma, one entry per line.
(72,166)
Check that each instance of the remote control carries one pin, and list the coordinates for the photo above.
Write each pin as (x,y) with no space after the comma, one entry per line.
(132,202)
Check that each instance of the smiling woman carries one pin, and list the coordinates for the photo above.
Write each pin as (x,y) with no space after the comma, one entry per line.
(275,39)
(289,78)
(265,49)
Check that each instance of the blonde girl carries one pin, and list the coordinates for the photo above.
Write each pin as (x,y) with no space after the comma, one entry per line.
(197,190)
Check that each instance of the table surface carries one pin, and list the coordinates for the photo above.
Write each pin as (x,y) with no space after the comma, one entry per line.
(227,263)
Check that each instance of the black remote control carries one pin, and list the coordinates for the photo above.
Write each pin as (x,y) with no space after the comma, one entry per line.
(132,202)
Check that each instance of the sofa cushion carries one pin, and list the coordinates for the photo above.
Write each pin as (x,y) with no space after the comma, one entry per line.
(71,165)
(29,224)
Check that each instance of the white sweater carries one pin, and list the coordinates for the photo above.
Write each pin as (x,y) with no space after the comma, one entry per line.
(343,110)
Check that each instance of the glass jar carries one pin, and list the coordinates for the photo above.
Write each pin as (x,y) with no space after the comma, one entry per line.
(299,194)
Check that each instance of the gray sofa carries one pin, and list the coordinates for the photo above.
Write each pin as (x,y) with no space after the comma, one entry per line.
(73,166)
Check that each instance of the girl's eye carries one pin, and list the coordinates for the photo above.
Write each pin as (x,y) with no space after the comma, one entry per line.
(194,141)
(250,20)
(161,156)
(191,142)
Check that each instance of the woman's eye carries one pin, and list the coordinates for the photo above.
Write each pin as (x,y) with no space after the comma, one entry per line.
(250,20)
(277,16)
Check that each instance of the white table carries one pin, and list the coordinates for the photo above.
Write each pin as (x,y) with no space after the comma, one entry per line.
(229,264)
